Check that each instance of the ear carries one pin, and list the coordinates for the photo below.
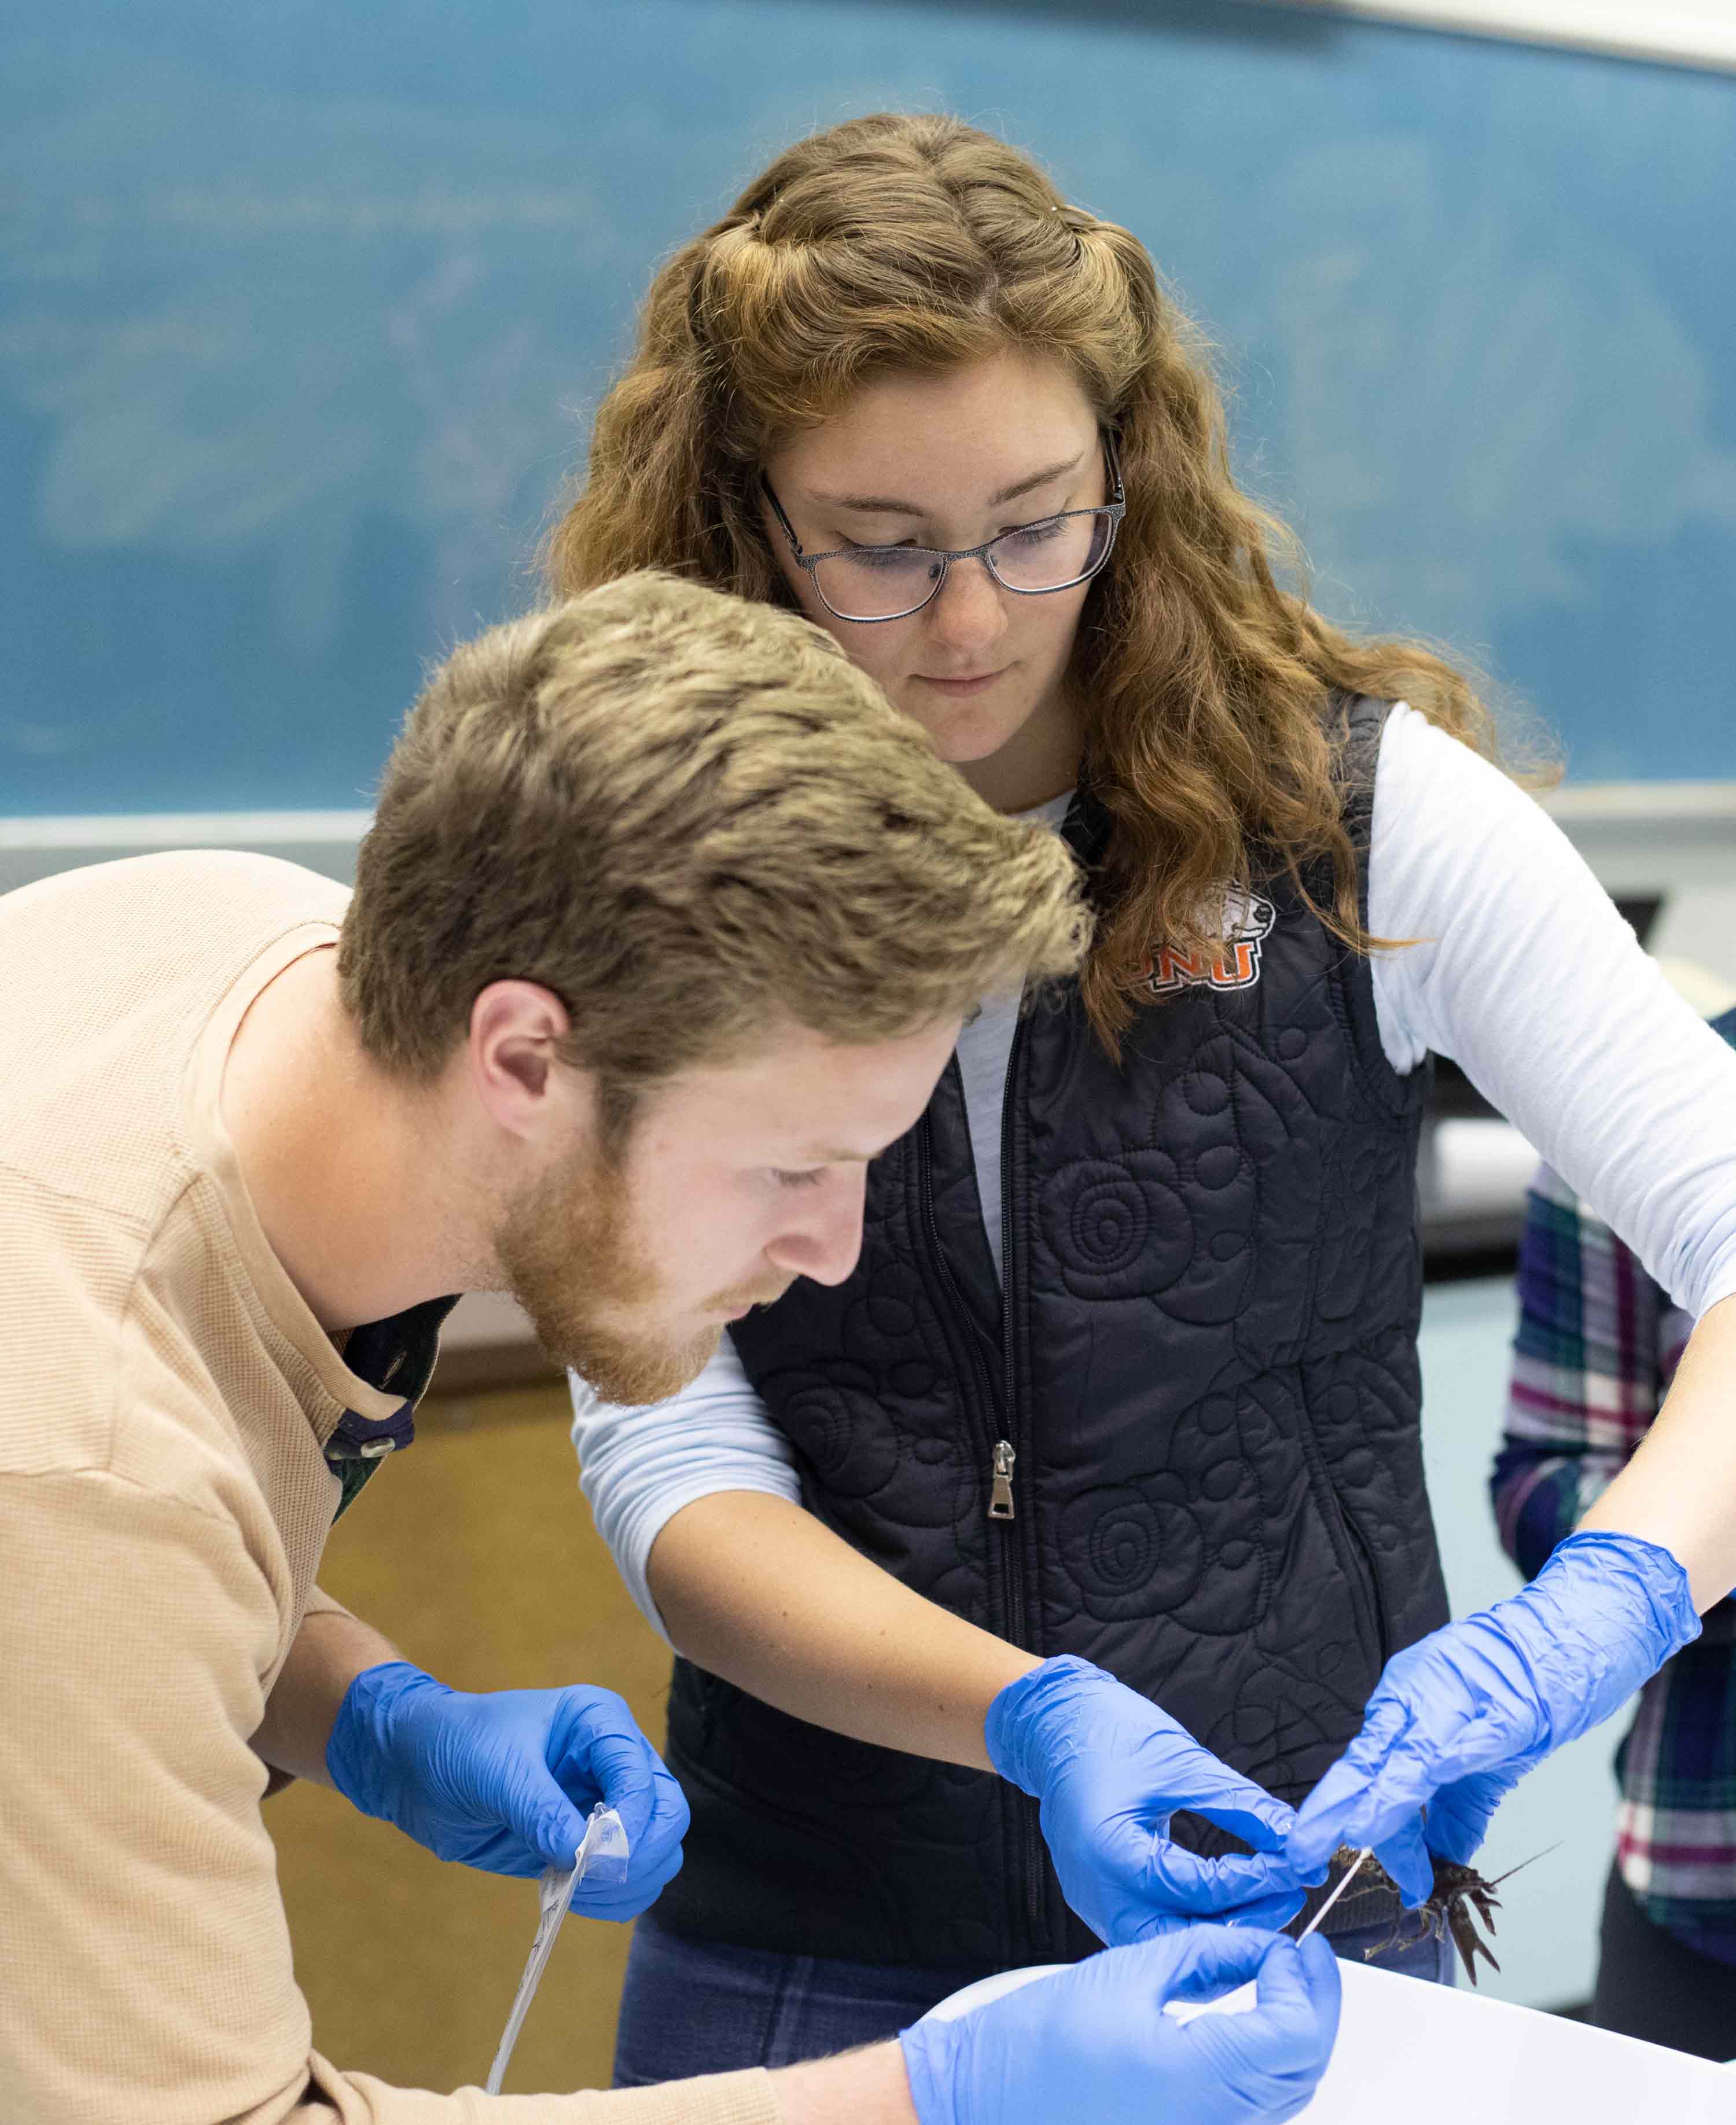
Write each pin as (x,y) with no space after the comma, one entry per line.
(514,1063)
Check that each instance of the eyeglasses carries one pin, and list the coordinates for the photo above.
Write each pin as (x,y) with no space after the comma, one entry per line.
(871,583)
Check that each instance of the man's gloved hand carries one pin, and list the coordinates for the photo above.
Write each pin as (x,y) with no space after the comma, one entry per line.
(505,1782)
(1458,1719)
(1110,1769)
(1093,2043)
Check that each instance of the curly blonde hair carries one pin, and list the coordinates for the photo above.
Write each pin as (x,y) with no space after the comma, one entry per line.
(918,243)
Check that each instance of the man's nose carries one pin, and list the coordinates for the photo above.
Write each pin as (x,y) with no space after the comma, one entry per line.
(825,1241)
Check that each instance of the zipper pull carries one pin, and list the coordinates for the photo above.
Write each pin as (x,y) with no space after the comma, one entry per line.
(1000,1493)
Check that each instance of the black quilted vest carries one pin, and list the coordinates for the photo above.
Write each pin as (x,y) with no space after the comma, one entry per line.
(1205,1370)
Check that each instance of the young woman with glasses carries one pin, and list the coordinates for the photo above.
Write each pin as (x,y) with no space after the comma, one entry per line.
(1024,1582)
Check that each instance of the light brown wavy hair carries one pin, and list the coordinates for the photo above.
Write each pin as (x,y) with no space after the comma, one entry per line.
(1211,693)
(690,817)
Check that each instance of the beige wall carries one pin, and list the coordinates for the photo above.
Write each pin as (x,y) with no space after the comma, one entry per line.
(475,1553)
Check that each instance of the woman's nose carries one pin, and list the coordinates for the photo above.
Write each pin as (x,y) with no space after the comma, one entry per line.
(970,607)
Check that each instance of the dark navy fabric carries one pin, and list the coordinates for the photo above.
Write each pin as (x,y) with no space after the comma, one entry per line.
(1206,1367)
(396,1355)
(1654,1985)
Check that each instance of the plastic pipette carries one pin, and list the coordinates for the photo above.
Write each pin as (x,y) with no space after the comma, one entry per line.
(602,1856)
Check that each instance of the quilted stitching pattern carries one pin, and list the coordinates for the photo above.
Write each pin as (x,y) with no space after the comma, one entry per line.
(1214,1301)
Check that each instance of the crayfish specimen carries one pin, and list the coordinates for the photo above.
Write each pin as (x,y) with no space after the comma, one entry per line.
(1459,1892)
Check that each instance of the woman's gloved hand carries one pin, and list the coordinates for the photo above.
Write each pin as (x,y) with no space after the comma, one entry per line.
(1110,1769)
(1093,2043)
(505,1782)
(1458,1719)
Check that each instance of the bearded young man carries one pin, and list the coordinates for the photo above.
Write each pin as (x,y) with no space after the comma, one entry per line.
(665,926)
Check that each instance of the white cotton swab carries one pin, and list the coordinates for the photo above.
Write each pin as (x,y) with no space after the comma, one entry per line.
(1244,1996)
(1343,1884)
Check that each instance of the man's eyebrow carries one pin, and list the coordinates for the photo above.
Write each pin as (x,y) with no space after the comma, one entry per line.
(882,505)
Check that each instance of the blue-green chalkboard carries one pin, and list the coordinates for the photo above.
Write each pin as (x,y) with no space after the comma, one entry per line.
(303,305)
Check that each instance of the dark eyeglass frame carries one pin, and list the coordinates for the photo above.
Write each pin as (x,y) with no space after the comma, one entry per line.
(1115,509)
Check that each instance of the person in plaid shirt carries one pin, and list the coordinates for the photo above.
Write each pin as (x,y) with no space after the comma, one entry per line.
(1598,1345)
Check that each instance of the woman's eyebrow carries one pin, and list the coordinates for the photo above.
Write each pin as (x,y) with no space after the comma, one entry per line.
(882,505)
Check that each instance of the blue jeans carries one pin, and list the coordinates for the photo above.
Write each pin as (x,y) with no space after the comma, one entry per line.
(695,2006)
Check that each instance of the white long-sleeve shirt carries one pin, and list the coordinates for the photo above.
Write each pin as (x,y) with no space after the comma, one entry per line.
(1523,974)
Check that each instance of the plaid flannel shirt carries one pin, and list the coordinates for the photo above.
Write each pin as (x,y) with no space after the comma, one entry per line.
(1598,1345)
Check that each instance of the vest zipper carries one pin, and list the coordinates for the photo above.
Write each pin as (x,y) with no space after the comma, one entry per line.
(1026,1853)
(955,1298)
(1000,1491)
(1009,1377)
(1333,1506)
(1383,1636)
(1006,1454)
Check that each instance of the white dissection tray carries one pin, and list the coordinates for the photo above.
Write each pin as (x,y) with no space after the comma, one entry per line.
(1422,2054)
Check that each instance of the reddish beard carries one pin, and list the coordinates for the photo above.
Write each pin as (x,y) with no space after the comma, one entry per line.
(575,1262)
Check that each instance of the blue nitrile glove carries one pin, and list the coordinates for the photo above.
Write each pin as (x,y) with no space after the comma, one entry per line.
(1458,1719)
(1093,2043)
(1110,1769)
(505,1782)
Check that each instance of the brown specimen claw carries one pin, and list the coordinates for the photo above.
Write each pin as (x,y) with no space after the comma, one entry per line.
(1458,1893)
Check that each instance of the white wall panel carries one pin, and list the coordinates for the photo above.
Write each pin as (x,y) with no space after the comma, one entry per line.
(1696,34)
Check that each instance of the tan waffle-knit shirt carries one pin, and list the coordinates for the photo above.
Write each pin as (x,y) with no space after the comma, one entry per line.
(165,1395)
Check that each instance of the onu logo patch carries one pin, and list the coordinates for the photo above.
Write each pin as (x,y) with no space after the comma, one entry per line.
(1234,964)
